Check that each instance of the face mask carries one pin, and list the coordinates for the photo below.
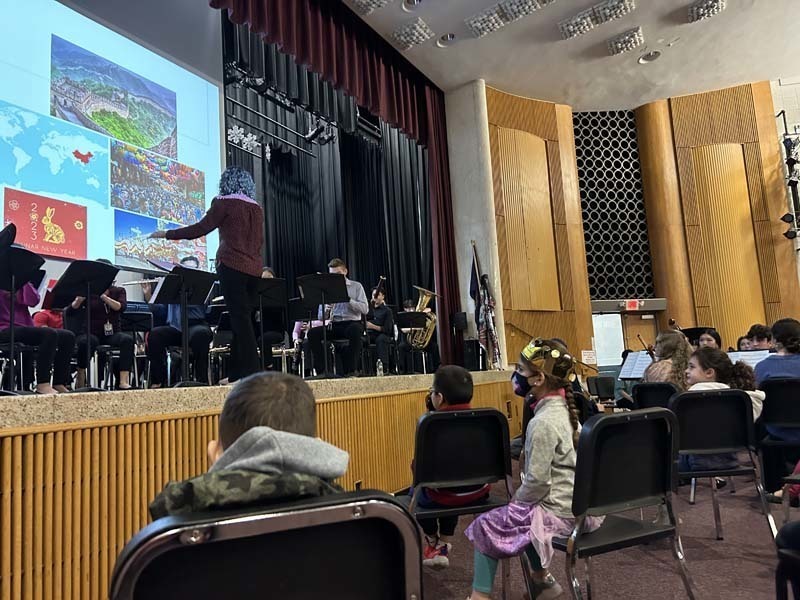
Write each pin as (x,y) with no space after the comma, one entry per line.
(520,383)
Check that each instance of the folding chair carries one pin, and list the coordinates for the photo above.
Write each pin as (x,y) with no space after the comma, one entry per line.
(625,461)
(781,410)
(716,422)
(788,568)
(360,546)
(483,456)
(601,387)
(653,395)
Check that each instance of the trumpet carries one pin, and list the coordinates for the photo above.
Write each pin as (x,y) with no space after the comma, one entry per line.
(141,281)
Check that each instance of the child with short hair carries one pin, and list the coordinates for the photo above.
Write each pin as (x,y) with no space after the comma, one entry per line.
(451,390)
(267,452)
(542,507)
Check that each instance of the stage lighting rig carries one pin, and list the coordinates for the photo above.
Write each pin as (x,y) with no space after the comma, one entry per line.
(317,130)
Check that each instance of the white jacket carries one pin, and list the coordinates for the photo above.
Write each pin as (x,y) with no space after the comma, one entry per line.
(756,396)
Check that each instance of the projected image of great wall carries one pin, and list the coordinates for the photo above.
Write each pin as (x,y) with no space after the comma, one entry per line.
(89,90)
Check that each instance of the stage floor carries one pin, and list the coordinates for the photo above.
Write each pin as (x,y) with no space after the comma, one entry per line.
(35,411)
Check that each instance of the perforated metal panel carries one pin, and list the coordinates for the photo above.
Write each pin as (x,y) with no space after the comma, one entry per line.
(615,229)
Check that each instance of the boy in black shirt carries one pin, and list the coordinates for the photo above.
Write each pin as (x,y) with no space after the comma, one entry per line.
(380,326)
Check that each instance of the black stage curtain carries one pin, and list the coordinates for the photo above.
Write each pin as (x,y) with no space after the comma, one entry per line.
(388,212)
(363,200)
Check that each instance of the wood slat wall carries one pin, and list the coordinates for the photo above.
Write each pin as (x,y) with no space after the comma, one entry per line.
(517,118)
(724,225)
(724,206)
(71,495)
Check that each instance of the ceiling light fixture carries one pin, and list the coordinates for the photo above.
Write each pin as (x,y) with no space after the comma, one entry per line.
(626,41)
(581,23)
(703,9)
(412,34)
(446,40)
(410,5)
(648,57)
(365,7)
(512,10)
(612,9)
(485,22)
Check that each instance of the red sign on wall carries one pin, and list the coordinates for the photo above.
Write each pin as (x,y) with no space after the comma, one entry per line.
(631,305)
(46,226)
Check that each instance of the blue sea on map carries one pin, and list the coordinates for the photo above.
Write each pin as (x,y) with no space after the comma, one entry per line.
(48,156)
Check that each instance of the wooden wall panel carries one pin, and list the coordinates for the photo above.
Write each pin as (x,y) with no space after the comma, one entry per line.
(665,223)
(567,279)
(71,495)
(728,162)
(736,298)
(522,114)
(528,221)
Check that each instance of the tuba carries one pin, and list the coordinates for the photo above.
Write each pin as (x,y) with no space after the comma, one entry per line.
(419,339)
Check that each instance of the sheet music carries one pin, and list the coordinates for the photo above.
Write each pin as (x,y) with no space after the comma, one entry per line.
(635,365)
(752,357)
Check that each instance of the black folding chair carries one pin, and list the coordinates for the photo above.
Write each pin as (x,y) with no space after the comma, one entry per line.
(788,568)
(360,545)
(716,422)
(781,409)
(483,457)
(625,461)
(653,395)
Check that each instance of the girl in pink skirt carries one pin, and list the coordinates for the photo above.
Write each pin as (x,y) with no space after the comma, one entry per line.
(542,507)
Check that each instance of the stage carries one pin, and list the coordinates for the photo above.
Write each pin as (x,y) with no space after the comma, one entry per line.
(77,471)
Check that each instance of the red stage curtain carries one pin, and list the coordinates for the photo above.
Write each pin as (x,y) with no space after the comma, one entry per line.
(331,40)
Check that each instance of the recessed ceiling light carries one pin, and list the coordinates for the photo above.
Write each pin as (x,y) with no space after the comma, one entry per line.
(612,9)
(446,40)
(410,5)
(649,57)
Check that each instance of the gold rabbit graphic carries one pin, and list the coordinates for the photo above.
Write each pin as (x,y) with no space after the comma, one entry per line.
(53,233)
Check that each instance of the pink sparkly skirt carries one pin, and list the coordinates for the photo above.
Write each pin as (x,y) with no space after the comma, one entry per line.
(506,531)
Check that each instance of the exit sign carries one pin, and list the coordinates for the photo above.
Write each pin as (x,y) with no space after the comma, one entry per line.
(631,304)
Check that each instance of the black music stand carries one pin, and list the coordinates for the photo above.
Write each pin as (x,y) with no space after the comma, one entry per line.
(271,294)
(318,290)
(19,266)
(85,278)
(184,286)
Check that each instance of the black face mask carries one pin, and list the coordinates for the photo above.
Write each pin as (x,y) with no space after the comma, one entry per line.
(521,386)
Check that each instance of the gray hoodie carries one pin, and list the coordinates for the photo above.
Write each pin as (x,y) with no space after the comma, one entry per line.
(266,450)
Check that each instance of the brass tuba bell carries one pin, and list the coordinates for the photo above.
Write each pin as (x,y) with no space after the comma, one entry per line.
(419,339)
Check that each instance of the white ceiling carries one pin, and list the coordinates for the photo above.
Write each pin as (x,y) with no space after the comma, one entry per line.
(750,41)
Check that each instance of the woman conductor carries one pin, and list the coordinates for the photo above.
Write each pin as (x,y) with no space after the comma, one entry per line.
(240,220)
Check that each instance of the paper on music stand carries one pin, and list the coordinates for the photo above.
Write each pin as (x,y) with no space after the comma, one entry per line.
(635,365)
(752,357)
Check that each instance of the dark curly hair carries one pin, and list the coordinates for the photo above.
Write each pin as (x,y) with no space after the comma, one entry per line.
(739,376)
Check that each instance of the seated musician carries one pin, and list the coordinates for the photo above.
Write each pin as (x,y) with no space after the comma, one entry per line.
(380,326)
(103,330)
(54,345)
(161,338)
(346,321)
(273,334)
(404,347)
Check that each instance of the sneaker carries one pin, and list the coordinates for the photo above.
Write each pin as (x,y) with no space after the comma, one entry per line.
(549,589)
(436,555)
